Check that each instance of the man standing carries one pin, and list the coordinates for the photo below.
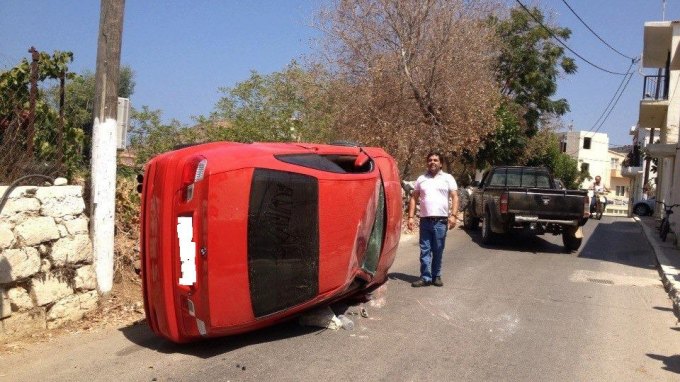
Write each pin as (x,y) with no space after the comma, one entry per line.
(433,189)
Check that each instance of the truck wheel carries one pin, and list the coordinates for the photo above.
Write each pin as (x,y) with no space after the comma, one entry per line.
(488,236)
(469,221)
(570,239)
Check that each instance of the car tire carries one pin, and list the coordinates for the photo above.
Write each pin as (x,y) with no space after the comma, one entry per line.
(570,241)
(469,221)
(641,209)
(488,236)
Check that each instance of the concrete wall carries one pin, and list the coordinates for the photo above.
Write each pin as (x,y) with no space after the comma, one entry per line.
(46,272)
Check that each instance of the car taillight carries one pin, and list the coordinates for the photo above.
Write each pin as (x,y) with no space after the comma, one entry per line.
(504,203)
(193,172)
(586,207)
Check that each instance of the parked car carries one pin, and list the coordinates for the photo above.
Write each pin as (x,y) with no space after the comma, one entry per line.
(512,198)
(235,237)
(644,207)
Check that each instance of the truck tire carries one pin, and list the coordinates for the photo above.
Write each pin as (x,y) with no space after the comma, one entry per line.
(488,236)
(469,220)
(570,240)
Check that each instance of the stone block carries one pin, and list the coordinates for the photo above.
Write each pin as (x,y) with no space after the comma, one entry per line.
(5,306)
(63,232)
(77,249)
(45,265)
(70,205)
(7,238)
(20,192)
(49,289)
(19,324)
(36,230)
(62,192)
(16,264)
(71,308)
(86,278)
(19,299)
(76,226)
(14,206)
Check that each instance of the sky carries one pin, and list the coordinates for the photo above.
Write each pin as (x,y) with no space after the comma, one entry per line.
(182,52)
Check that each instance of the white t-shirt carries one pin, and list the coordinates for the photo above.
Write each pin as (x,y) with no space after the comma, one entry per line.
(434,193)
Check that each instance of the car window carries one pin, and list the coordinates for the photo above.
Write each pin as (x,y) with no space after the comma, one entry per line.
(339,164)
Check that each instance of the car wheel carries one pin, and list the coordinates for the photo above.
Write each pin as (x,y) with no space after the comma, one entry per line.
(469,221)
(570,241)
(488,235)
(641,210)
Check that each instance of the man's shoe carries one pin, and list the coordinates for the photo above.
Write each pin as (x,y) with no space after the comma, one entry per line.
(438,282)
(420,283)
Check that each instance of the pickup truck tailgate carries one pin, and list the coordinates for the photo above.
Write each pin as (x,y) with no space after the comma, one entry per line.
(547,204)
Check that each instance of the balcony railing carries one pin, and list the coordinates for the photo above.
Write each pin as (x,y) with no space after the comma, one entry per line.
(656,88)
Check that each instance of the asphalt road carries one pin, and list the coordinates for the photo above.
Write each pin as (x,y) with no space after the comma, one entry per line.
(520,311)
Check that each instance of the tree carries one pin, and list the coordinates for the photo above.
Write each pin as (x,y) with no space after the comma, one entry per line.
(528,66)
(15,139)
(282,106)
(149,136)
(544,150)
(411,75)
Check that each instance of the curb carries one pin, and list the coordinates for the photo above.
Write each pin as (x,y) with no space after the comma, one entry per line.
(668,260)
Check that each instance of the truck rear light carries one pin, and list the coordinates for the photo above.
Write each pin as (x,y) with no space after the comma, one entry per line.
(586,207)
(504,203)
(193,172)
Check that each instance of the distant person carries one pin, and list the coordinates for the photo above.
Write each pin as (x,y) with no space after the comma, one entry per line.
(598,187)
(432,191)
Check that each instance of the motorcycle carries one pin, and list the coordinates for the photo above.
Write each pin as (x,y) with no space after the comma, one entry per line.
(600,203)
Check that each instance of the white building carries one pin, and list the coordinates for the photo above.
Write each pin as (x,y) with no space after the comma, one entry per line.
(660,107)
(591,150)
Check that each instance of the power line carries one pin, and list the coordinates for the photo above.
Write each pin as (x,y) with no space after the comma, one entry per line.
(611,100)
(630,76)
(564,44)
(591,30)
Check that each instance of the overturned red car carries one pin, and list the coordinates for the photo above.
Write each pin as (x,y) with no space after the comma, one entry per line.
(239,236)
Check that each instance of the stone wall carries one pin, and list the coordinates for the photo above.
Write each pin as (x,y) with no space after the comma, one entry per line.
(47,275)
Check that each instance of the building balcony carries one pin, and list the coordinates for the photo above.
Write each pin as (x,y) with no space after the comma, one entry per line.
(662,150)
(653,113)
(630,171)
(655,88)
(658,37)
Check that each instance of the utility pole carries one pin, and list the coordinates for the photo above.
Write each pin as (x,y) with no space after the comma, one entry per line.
(103,161)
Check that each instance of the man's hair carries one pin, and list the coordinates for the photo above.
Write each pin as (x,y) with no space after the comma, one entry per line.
(431,153)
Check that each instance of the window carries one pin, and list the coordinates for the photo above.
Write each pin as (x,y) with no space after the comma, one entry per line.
(340,164)
(620,190)
(586,143)
(615,164)
(585,167)
(563,147)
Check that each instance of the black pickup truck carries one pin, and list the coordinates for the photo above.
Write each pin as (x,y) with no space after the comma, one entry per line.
(510,199)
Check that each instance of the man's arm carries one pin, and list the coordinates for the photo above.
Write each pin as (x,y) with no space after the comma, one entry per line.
(412,208)
(453,217)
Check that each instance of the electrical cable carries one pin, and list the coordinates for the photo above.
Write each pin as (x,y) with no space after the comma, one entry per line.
(564,44)
(593,32)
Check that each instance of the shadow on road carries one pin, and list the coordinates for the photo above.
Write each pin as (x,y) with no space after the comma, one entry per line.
(618,241)
(664,309)
(142,337)
(402,277)
(671,363)
(519,242)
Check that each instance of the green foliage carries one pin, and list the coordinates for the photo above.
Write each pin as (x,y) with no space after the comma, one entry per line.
(149,136)
(530,63)
(281,106)
(506,145)
(544,150)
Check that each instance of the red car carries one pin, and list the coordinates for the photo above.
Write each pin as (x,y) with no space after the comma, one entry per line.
(238,236)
